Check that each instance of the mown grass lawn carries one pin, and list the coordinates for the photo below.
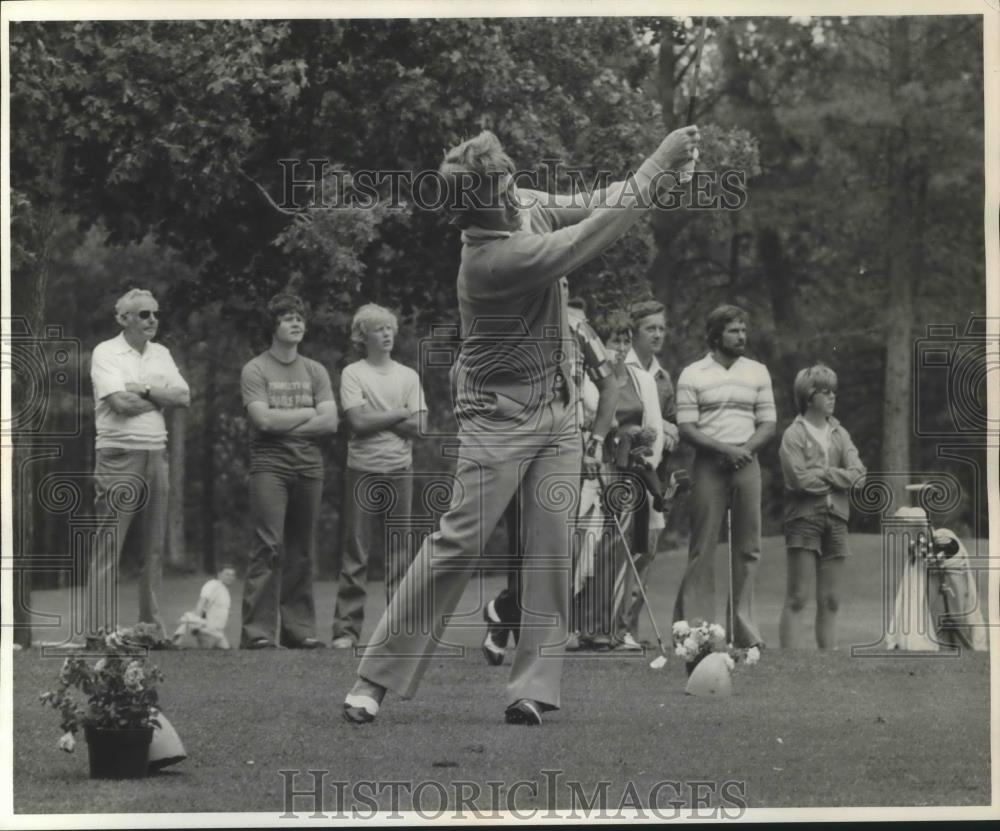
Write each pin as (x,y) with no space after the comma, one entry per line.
(803,728)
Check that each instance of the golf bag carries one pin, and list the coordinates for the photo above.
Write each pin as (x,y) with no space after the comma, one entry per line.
(937,601)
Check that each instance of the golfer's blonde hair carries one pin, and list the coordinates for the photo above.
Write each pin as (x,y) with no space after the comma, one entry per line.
(809,381)
(126,303)
(471,173)
(368,318)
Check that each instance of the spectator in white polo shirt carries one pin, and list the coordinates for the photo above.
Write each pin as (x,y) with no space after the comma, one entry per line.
(135,380)
(725,409)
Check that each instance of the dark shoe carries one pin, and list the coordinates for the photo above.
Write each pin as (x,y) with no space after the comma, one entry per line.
(496,636)
(524,711)
(599,643)
(307,643)
(260,643)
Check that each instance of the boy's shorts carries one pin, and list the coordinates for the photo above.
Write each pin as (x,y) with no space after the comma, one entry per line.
(824,534)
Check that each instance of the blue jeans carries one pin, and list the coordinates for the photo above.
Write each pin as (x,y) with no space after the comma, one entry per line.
(278,601)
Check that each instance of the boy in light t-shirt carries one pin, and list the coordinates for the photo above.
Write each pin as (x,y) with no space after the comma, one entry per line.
(381,399)
(213,604)
(205,627)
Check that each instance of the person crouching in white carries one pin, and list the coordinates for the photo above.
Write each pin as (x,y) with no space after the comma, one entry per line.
(205,627)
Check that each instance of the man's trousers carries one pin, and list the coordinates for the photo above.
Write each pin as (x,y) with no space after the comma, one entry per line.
(129,485)
(705,589)
(278,601)
(542,457)
(372,500)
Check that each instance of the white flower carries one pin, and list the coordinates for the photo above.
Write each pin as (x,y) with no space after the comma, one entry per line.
(99,666)
(681,629)
(753,656)
(134,675)
(67,742)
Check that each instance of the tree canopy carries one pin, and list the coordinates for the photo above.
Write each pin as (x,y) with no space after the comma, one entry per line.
(860,139)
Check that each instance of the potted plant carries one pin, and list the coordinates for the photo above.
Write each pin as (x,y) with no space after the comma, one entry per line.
(119,712)
(708,659)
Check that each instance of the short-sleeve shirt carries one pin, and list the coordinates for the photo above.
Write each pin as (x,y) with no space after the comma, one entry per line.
(391,387)
(301,383)
(725,404)
(114,364)
(214,601)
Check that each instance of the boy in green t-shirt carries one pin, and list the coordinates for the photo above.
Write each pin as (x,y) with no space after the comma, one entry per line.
(289,401)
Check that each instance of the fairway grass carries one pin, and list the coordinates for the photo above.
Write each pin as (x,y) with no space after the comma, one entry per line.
(803,728)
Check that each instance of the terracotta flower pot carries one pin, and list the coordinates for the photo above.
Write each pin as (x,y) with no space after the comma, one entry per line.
(118,754)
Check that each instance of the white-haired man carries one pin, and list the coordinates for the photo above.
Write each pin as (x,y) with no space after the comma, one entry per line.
(134,380)
(515,403)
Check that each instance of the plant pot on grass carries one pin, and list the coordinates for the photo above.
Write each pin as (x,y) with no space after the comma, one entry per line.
(113,701)
(118,754)
(708,660)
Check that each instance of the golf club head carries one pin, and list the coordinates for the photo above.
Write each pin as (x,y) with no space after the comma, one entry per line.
(659,662)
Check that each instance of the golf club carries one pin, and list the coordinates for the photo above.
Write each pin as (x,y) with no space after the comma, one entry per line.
(687,170)
(732,600)
(660,660)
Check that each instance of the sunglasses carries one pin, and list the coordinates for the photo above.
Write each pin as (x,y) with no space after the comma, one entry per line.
(146,314)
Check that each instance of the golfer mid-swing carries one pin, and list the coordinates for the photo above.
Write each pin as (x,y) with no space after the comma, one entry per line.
(515,408)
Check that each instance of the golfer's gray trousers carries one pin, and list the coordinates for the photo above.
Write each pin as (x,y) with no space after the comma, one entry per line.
(541,454)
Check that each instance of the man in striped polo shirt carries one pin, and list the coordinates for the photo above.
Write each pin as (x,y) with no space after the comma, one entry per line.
(725,409)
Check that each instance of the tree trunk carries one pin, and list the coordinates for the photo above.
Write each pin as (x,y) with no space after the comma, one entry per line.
(208,411)
(666,225)
(28,301)
(666,75)
(177,557)
(897,421)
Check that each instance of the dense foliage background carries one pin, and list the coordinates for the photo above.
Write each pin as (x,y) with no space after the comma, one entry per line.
(147,154)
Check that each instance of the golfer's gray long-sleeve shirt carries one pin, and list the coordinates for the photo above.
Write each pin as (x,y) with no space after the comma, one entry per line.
(514,327)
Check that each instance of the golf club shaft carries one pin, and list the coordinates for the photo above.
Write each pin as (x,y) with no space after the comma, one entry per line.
(732,600)
(635,570)
(692,101)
